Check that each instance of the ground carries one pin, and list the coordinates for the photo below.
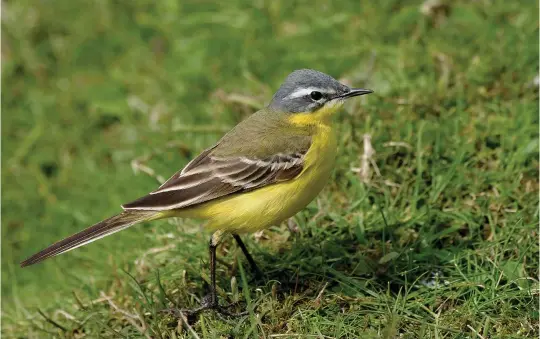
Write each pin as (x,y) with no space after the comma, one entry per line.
(427,229)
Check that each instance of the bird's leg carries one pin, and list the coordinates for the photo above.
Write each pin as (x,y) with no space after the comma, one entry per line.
(210,301)
(249,258)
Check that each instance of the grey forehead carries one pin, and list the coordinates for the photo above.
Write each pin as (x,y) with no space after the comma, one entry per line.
(305,78)
(310,78)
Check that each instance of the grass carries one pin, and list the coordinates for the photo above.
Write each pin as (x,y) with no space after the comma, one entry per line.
(440,242)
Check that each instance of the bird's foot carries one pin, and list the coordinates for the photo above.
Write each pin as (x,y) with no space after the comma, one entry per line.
(206,304)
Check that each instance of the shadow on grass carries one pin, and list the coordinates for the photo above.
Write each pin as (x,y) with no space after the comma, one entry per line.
(378,262)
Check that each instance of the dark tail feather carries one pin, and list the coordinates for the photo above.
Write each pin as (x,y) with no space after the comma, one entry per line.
(92,233)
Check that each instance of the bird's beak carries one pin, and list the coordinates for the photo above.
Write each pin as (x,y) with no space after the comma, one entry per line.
(354,92)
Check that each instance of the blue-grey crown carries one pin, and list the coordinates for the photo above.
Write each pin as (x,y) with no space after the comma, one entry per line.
(304,79)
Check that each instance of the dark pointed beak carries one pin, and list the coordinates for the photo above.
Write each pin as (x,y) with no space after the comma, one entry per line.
(354,92)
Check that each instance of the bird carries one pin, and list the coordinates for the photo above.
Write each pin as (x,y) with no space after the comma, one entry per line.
(262,172)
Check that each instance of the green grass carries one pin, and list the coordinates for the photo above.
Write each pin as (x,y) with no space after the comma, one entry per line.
(442,244)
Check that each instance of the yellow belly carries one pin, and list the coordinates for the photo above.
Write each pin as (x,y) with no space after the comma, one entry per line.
(264,207)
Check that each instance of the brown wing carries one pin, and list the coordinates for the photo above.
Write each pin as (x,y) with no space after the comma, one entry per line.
(210,177)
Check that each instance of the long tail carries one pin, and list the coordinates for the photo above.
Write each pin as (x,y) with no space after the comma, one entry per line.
(92,233)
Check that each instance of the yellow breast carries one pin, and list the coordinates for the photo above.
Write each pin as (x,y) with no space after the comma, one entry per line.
(264,207)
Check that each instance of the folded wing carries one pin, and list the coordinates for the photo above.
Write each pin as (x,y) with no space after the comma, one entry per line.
(210,177)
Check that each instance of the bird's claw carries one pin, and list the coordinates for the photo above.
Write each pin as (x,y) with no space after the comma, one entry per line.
(206,304)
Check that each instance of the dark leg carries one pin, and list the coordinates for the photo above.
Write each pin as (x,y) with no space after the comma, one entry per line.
(246,253)
(211,300)
(213,290)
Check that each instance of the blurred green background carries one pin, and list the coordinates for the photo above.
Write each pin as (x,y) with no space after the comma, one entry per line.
(93,88)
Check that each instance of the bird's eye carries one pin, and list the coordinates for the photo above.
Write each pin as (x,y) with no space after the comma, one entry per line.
(316,95)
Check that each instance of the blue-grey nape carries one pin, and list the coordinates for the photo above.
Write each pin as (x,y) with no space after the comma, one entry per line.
(298,92)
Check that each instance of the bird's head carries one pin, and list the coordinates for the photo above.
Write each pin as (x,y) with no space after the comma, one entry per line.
(309,95)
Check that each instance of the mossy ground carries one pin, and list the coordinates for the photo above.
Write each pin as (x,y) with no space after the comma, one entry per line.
(437,239)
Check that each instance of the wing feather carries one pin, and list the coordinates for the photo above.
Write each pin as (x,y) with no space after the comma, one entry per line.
(214,177)
(240,176)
